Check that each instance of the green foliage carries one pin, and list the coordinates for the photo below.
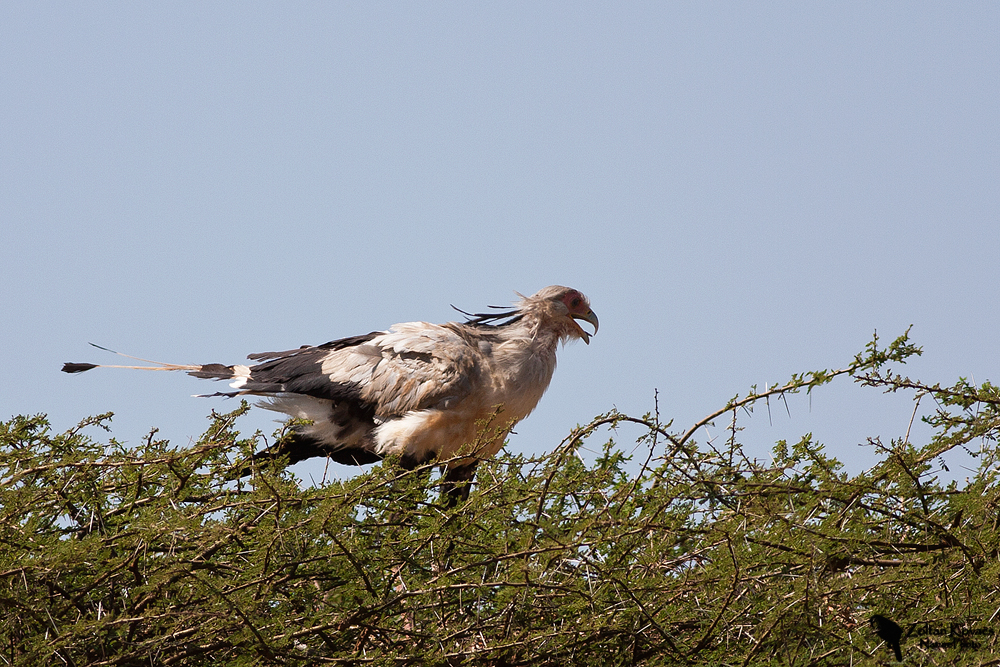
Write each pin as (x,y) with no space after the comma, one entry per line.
(703,557)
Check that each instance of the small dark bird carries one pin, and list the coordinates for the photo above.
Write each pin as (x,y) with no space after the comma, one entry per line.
(890,632)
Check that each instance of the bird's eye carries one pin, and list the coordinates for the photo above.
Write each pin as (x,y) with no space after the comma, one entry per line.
(575,303)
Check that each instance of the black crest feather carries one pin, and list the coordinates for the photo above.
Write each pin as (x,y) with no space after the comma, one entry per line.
(491,319)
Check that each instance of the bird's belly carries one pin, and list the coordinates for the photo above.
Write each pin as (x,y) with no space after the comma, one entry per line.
(442,434)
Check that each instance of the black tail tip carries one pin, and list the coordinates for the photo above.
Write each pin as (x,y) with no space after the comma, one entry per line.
(77,368)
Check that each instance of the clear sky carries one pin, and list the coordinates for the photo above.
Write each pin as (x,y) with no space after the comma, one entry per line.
(744,190)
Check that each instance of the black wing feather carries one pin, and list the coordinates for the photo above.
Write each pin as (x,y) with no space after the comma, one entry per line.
(300,371)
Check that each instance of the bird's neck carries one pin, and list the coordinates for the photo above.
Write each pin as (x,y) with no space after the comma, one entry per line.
(525,360)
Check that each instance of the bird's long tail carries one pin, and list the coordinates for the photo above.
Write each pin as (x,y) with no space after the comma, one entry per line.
(208,371)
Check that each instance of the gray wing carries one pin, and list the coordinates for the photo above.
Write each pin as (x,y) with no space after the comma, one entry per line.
(413,366)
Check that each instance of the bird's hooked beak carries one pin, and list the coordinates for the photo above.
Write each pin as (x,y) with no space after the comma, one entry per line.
(589,316)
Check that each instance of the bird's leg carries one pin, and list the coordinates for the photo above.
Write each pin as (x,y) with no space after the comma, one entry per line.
(457,483)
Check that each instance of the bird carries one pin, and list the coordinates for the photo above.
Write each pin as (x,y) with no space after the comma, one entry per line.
(888,630)
(418,392)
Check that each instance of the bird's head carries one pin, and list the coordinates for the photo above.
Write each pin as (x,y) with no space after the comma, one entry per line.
(564,305)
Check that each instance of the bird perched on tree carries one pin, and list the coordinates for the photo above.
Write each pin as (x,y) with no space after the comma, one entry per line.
(418,391)
(888,630)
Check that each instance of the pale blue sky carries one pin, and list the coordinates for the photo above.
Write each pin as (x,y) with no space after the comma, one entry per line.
(744,191)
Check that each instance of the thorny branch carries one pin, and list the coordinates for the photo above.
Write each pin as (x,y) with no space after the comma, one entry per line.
(702,555)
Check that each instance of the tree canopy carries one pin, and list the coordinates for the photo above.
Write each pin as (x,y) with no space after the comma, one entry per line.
(154,555)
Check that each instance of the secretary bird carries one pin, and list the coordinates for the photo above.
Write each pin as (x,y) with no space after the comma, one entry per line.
(419,391)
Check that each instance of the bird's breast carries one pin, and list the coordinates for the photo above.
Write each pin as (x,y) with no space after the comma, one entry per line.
(521,374)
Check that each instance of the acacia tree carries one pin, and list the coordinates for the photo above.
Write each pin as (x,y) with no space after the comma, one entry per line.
(153,555)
